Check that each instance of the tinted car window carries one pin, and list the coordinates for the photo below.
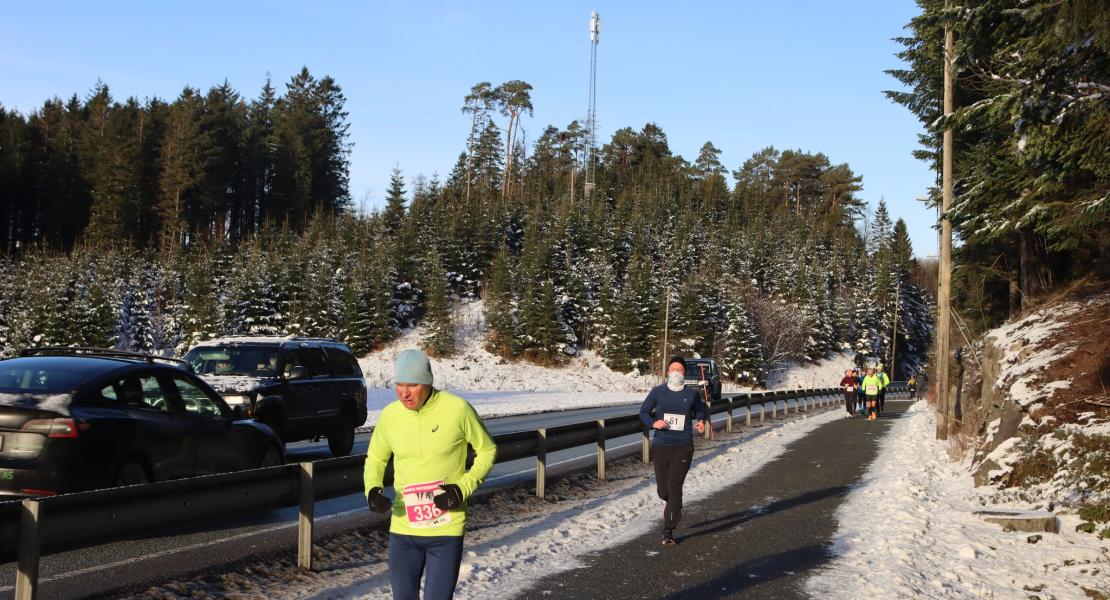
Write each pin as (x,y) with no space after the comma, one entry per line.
(292,359)
(38,378)
(340,363)
(314,361)
(110,392)
(253,361)
(142,392)
(195,400)
(355,368)
(694,369)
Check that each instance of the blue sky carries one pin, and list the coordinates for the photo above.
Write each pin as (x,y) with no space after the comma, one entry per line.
(744,75)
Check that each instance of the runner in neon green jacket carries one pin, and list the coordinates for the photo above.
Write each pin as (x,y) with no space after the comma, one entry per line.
(872,384)
(428,445)
(884,381)
(426,431)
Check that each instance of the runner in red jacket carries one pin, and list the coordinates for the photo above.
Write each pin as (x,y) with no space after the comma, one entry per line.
(849,384)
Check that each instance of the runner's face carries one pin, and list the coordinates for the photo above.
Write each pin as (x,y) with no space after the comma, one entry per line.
(675,368)
(413,395)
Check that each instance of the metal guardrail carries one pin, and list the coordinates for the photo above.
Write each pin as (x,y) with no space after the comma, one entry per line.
(32,528)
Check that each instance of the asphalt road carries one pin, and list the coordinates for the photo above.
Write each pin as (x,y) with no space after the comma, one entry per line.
(99,569)
(760,538)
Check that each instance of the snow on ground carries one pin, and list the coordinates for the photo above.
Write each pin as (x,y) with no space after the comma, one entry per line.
(497,387)
(826,373)
(1026,356)
(1045,367)
(908,531)
(507,558)
(513,539)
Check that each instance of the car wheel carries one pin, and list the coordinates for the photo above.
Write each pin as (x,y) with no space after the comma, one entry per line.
(271,457)
(342,440)
(132,473)
(273,422)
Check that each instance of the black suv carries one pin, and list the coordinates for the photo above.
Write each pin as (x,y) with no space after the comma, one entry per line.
(303,388)
(703,372)
(74,419)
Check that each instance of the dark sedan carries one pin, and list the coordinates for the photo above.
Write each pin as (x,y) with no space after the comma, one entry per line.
(74,420)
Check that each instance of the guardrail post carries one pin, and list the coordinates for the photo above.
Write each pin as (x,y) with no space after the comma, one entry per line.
(805,403)
(748,419)
(27,573)
(728,418)
(709,420)
(601,449)
(774,409)
(305,517)
(541,461)
(645,447)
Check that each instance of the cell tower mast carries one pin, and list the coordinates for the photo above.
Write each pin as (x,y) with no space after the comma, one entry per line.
(591,114)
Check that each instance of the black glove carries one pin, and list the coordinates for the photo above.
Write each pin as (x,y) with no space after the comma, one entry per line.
(377,501)
(451,497)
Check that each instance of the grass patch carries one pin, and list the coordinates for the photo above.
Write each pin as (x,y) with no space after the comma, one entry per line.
(1035,467)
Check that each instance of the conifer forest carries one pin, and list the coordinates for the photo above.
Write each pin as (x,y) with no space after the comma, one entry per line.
(151,226)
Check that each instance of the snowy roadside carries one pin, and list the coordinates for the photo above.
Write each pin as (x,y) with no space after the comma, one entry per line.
(908,531)
(513,538)
(499,388)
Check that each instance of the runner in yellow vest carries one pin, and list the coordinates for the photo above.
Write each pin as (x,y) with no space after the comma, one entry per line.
(884,381)
(871,387)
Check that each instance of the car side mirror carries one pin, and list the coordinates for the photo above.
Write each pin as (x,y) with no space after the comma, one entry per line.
(239,412)
(297,372)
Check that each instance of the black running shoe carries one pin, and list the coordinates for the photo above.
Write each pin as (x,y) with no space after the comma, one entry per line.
(668,538)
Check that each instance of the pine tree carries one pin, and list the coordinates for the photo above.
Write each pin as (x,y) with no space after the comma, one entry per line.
(394,213)
(358,314)
(500,310)
(740,357)
(902,261)
(251,308)
(137,331)
(439,331)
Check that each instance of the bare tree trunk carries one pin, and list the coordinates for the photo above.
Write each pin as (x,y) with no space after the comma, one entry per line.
(1035,277)
(1015,290)
(508,156)
(470,153)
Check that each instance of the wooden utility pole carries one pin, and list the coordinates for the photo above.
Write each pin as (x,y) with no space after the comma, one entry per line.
(894,336)
(666,322)
(944,279)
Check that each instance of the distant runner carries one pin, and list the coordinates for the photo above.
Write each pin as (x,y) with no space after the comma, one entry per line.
(674,411)
(884,381)
(871,387)
(426,431)
(848,384)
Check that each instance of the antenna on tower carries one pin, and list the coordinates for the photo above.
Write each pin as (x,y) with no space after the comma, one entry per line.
(591,113)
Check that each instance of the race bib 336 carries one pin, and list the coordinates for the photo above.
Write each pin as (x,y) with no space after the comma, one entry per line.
(420,508)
